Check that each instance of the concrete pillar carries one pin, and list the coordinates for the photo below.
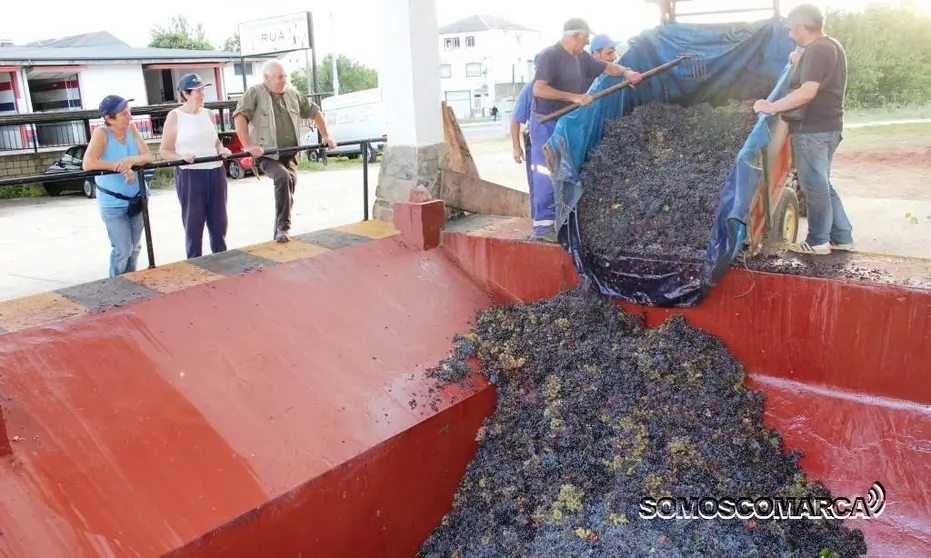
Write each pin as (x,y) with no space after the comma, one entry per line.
(410,84)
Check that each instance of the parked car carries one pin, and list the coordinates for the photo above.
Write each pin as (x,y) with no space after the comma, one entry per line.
(71,161)
(235,168)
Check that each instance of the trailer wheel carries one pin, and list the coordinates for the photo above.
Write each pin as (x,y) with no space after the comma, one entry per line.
(785,218)
(793,183)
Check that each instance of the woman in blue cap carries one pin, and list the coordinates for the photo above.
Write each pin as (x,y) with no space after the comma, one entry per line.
(118,146)
(190,132)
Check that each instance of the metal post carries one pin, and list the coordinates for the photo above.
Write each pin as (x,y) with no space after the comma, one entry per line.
(245,84)
(313,49)
(144,190)
(365,179)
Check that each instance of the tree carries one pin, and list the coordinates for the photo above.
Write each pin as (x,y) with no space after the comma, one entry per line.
(353,76)
(232,43)
(888,54)
(180,34)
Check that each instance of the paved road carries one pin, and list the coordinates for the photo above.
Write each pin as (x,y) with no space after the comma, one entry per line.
(484,131)
(50,243)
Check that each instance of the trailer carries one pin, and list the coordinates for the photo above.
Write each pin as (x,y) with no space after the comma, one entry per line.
(776,206)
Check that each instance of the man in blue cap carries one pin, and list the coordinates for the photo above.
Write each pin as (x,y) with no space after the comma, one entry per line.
(604,48)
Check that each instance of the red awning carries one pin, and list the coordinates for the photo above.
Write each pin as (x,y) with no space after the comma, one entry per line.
(189,66)
(10,68)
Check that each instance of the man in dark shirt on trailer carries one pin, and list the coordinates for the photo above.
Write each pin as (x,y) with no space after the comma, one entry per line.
(564,74)
(814,111)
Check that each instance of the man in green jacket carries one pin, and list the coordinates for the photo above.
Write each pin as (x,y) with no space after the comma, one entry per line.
(269,116)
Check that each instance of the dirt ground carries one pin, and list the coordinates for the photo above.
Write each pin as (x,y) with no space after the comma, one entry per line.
(904,173)
(882,172)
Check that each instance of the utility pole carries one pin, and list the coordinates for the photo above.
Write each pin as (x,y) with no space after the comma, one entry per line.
(334,56)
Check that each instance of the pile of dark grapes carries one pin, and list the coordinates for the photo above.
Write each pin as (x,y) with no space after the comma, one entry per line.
(653,184)
(595,412)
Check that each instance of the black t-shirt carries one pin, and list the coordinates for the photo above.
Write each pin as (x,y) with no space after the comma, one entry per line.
(825,62)
(565,72)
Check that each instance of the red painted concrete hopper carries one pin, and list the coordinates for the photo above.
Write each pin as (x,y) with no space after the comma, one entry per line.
(264,401)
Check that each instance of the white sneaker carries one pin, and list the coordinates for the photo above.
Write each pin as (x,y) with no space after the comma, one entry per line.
(843,247)
(805,248)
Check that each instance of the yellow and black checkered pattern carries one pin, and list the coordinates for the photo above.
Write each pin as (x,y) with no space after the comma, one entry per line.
(44,308)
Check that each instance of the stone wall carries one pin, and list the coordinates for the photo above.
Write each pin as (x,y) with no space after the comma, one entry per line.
(25,164)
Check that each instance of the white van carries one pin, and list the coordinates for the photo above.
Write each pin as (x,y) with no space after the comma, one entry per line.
(355,116)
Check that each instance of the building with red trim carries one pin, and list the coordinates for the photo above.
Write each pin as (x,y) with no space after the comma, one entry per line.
(75,73)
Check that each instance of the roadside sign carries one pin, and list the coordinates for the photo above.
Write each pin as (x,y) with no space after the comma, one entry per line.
(275,34)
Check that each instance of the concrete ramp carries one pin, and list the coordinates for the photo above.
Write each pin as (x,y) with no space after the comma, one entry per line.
(262,413)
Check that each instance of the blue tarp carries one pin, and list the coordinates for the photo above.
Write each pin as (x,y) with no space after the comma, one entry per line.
(733,57)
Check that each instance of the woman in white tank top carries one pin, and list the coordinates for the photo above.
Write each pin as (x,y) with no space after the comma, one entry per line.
(190,132)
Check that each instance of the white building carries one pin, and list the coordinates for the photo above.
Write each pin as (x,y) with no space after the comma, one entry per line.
(484,61)
(77,72)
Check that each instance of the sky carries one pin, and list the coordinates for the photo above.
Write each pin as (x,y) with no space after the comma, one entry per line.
(354,28)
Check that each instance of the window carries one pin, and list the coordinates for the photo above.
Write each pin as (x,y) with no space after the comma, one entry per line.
(237,68)
(474,69)
(73,156)
(470,41)
(451,43)
(446,71)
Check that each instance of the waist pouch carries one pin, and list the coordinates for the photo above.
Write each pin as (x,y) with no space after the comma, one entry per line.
(135,202)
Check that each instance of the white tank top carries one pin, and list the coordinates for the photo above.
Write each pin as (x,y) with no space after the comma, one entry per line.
(197,134)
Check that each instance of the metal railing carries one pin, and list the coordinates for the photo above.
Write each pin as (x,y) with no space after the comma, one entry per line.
(145,173)
(42,130)
(62,129)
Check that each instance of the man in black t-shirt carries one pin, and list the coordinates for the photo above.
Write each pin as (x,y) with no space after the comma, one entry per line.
(814,110)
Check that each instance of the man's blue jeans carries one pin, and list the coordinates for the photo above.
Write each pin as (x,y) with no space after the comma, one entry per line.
(827,220)
(125,234)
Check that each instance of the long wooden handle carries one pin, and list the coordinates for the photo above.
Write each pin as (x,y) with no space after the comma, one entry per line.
(626,83)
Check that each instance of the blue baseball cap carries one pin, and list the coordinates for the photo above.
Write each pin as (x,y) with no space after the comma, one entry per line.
(189,82)
(602,41)
(113,104)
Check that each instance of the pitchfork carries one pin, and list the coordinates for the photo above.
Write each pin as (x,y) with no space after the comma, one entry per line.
(696,67)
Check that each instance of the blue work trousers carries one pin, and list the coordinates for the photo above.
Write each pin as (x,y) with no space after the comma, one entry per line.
(541,193)
(827,220)
(125,233)
(529,166)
